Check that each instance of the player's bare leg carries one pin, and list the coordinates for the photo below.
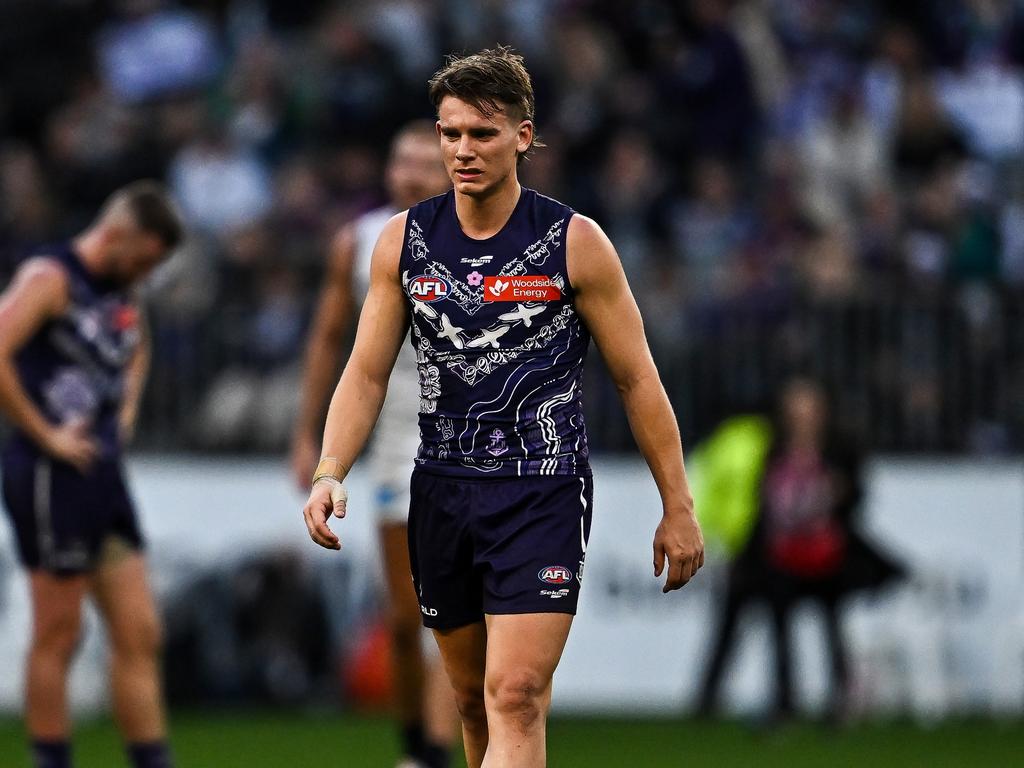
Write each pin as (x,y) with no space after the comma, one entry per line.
(423,696)
(522,653)
(56,627)
(404,622)
(440,715)
(464,651)
(121,590)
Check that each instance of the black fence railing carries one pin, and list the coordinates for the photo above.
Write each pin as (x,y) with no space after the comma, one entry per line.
(938,373)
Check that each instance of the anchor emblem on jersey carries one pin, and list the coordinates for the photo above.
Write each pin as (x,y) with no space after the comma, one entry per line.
(498,445)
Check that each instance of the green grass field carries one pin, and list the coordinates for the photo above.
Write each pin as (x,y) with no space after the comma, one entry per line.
(238,740)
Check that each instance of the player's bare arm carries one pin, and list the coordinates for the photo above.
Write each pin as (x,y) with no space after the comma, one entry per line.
(606,304)
(136,374)
(323,354)
(357,400)
(38,293)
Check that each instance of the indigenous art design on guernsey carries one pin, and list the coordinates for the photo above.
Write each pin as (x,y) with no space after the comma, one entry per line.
(99,341)
(102,327)
(468,293)
(542,431)
(69,395)
(442,337)
(430,387)
(537,253)
(417,245)
(473,370)
(527,314)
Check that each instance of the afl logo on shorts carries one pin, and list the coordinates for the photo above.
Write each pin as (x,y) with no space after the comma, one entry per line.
(429,288)
(554,574)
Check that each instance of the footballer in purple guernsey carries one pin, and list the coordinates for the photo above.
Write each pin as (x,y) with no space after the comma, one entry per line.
(73,358)
(502,289)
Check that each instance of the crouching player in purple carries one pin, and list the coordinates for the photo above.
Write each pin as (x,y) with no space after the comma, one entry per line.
(72,364)
(503,289)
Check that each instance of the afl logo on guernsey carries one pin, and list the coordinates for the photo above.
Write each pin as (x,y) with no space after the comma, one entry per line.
(429,288)
(554,574)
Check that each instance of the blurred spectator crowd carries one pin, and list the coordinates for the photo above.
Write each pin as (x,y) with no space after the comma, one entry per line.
(815,185)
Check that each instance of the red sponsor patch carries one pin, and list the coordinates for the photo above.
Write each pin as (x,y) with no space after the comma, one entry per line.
(125,317)
(520,288)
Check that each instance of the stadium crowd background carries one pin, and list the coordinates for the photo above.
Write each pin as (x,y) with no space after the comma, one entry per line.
(829,187)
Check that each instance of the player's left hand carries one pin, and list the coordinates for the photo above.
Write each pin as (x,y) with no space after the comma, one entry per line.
(678,538)
(325,498)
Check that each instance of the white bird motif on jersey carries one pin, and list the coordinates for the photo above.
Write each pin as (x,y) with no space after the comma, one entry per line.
(450,332)
(490,336)
(424,309)
(522,312)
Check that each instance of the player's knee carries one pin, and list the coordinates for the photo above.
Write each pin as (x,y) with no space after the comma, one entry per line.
(518,694)
(470,702)
(142,638)
(58,635)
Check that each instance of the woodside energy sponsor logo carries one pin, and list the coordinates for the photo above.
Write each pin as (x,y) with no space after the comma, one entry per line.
(520,288)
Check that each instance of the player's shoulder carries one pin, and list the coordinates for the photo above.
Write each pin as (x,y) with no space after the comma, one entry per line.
(584,232)
(42,280)
(542,202)
(394,227)
(387,253)
(42,270)
(590,256)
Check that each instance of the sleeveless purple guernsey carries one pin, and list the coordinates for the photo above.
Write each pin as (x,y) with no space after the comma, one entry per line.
(500,380)
(73,367)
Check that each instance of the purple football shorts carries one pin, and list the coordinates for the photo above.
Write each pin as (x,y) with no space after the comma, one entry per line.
(497,545)
(62,517)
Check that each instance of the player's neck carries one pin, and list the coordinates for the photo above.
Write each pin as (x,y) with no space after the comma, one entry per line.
(483,217)
(88,246)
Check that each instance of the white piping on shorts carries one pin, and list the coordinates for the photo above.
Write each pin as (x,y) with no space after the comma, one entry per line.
(44,521)
(583,501)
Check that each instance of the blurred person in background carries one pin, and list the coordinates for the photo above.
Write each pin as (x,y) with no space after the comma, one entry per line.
(843,159)
(728,467)
(809,491)
(502,490)
(73,360)
(426,707)
(803,541)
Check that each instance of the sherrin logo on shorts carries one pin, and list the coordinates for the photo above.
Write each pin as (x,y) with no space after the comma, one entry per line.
(554,574)
(429,288)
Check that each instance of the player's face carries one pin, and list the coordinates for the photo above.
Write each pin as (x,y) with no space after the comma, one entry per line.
(132,254)
(415,170)
(804,407)
(480,152)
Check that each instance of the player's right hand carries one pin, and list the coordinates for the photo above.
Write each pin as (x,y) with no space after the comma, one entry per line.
(325,498)
(71,442)
(305,453)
